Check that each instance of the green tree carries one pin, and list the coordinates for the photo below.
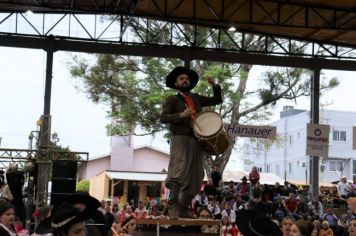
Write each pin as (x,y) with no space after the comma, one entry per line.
(134,87)
(83,186)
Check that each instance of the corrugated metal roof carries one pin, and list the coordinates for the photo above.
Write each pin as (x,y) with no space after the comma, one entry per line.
(136,176)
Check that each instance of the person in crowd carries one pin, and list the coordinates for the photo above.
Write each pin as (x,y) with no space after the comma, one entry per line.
(325,229)
(140,212)
(108,217)
(7,218)
(343,187)
(128,227)
(200,200)
(115,211)
(277,190)
(303,209)
(86,203)
(291,205)
(210,189)
(65,220)
(185,168)
(352,227)
(267,194)
(15,180)
(286,189)
(153,213)
(316,208)
(301,228)
(316,228)
(278,209)
(239,203)
(331,218)
(229,213)
(243,189)
(230,191)
(102,207)
(349,216)
(216,176)
(286,225)
(129,212)
(214,208)
(353,188)
(226,227)
(254,176)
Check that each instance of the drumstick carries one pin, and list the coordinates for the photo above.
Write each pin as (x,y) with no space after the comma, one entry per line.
(193,118)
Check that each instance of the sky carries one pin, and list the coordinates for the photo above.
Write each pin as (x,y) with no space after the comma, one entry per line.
(80,124)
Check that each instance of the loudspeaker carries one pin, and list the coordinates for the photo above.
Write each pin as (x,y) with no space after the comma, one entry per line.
(64,173)
(64,169)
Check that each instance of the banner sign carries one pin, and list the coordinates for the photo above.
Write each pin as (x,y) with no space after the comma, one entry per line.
(253,131)
(318,140)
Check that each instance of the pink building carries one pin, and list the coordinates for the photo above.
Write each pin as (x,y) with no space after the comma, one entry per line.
(127,173)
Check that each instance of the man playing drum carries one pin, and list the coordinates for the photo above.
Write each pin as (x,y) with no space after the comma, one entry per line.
(185,170)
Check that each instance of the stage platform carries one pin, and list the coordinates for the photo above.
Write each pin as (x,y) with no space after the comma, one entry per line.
(177,227)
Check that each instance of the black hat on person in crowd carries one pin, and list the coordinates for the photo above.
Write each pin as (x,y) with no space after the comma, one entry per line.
(64,215)
(81,197)
(244,178)
(179,70)
(254,223)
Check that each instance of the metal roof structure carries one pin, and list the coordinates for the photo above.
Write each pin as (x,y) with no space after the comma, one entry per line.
(324,29)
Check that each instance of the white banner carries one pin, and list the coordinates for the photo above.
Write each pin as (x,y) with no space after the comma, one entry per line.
(268,132)
(318,140)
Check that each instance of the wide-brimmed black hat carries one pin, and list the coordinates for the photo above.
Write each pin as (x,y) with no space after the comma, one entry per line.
(179,70)
(251,222)
(64,214)
(89,201)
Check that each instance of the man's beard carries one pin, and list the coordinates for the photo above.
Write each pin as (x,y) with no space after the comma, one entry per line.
(184,89)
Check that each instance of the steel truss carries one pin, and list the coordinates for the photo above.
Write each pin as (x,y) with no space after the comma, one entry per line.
(25,156)
(131,30)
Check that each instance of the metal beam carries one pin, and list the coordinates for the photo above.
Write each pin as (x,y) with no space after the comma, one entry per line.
(60,44)
(314,119)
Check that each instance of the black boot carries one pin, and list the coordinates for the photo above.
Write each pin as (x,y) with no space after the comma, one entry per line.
(173,205)
(184,210)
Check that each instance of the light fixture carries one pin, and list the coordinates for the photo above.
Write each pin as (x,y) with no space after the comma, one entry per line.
(232,29)
(29,12)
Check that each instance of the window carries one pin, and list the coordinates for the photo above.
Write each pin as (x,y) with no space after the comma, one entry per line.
(303,164)
(290,167)
(268,168)
(335,165)
(353,168)
(259,169)
(290,139)
(339,135)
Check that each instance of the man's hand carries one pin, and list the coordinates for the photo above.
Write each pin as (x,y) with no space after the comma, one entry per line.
(187,113)
(210,80)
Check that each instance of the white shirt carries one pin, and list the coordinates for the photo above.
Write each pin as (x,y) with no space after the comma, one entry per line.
(231,216)
(214,209)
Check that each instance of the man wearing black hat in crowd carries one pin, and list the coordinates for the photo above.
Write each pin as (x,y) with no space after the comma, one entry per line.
(185,170)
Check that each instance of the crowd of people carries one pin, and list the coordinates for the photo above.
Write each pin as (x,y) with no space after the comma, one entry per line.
(269,210)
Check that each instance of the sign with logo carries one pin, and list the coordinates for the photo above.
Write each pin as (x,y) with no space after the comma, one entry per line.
(252,131)
(318,140)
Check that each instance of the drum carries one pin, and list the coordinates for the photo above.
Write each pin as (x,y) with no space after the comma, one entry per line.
(209,129)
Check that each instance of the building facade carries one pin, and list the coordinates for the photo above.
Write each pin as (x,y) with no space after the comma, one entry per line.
(286,156)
